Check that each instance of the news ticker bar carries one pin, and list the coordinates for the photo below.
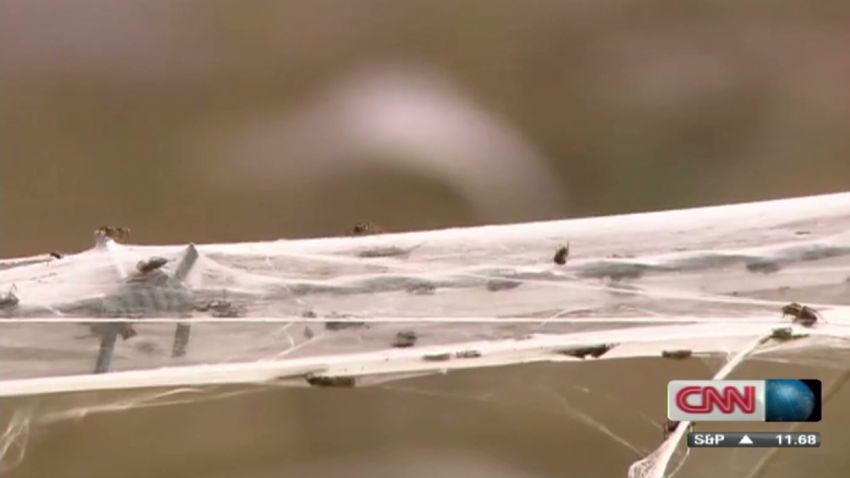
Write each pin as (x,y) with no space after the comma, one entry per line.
(753,440)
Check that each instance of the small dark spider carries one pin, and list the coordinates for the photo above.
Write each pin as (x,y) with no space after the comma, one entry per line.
(594,351)
(365,229)
(405,339)
(784,334)
(151,264)
(679,354)
(330,381)
(220,309)
(764,267)
(562,254)
(803,314)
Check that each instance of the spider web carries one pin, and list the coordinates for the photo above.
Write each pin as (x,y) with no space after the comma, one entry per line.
(378,310)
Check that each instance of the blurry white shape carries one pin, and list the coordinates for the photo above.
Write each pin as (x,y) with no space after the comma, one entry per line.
(412,118)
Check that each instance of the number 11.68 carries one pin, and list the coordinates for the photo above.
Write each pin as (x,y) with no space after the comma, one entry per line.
(788,439)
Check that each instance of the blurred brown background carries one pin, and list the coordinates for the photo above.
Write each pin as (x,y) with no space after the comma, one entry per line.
(246,120)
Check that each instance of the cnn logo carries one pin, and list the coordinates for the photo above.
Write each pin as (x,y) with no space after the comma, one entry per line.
(716,400)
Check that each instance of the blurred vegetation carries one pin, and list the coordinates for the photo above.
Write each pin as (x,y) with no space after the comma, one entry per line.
(639,106)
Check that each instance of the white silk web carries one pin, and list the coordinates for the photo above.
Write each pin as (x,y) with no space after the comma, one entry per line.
(695,284)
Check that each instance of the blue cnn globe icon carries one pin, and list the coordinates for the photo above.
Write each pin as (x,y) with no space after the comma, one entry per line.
(789,400)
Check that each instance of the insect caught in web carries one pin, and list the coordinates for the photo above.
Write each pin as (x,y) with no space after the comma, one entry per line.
(150,265)
(366,228)
(594,351)
(220,308)
(405,338)
(784,334)
(330,381)
(562,254)
(803,314)
(678,354)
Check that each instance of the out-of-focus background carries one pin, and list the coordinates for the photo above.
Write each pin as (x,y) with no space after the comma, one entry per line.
(229,121)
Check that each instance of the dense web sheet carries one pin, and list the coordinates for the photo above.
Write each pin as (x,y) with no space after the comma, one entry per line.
(372,310)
